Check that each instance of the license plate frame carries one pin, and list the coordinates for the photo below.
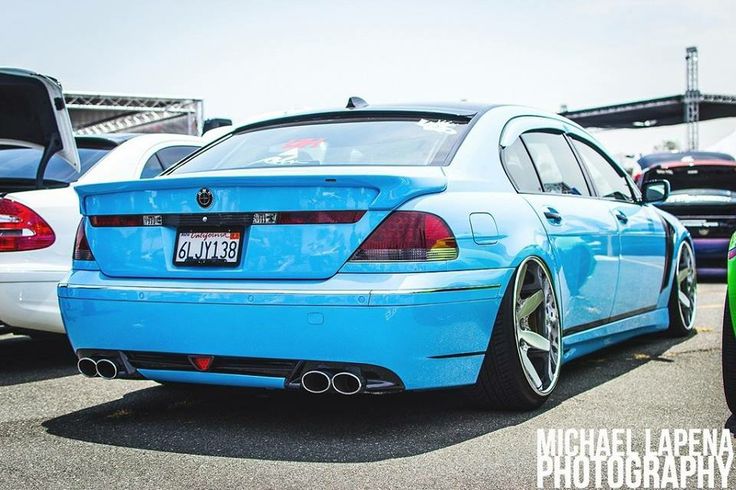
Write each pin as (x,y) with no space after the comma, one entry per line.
(211,263)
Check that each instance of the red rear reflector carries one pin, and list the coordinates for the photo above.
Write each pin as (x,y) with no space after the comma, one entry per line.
(81,246)
(409,236)
(318,217)
(117,220)
(201,363)
(21,228)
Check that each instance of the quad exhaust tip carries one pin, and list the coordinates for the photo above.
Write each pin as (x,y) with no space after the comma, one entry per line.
(107,369)
(104,368)
(315,381)
(87,367)
(347,383)
(343,382)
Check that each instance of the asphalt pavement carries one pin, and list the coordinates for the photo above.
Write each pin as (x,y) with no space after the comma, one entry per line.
(61,430)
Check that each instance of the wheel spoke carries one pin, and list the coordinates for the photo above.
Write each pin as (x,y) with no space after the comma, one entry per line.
(534,340)
(522,273)
(684,299)
(530,305)
(684,273)
(530,369)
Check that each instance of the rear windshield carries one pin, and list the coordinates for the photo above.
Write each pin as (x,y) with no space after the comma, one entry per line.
(684,179)
(655,158)
(414,142)
(22,163)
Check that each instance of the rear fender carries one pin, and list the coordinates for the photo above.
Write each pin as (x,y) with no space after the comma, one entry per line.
(679,235)
(520,234)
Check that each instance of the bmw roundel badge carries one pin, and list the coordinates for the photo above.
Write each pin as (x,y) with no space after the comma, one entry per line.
(205,197)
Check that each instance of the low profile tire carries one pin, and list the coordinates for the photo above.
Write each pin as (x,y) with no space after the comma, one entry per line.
(683,297)
(523,359)
(728,359)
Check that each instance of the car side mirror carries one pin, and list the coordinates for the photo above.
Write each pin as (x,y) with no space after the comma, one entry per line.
(655,191)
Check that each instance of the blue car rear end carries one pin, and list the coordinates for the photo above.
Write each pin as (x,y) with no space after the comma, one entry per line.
(303,293)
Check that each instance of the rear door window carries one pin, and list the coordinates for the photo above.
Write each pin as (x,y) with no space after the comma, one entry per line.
(520,168)
(165,158)
(152,167)
(172,154)
(556,164)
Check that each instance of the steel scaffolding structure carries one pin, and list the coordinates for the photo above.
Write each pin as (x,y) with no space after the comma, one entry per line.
(689,108)
(692,97)
(100,113)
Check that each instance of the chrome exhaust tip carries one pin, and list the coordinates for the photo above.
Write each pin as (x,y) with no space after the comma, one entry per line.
(315,381)
(87,367)
(107,369)
(347,383)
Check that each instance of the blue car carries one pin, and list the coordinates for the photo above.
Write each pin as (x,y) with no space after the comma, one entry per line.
(376,249)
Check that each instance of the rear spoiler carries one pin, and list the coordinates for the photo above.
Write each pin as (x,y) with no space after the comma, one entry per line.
(395,184)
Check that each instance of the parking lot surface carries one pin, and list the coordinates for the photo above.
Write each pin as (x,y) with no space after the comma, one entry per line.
(60,430)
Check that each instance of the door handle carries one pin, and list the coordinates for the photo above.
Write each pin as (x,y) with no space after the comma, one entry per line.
(621,217)
(552,215)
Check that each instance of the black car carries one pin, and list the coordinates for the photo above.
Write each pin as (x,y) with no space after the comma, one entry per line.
(703,197)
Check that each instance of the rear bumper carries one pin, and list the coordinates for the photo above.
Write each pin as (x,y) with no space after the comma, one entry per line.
(28,300)
(430,329)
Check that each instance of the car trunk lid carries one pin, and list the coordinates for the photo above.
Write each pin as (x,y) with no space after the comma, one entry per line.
(34,115)
(294,223)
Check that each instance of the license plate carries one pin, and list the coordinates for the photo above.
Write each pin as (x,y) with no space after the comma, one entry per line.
(208,247)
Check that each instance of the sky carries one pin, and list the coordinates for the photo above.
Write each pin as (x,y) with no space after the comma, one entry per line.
(247,58)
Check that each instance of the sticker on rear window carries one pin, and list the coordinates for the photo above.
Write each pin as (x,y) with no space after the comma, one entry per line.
(303,143)
(445,127)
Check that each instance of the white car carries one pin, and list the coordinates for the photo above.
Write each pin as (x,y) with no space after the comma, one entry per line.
(40,164)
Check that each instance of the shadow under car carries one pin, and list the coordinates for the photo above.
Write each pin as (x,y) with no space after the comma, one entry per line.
(288,426)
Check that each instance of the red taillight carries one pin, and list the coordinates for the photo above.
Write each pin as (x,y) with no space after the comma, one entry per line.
(732,253)
(21,228)
(81,245)
(409,236)
(118,220)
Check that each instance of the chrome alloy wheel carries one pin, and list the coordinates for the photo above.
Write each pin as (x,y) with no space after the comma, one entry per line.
(537,326)
(686,284)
